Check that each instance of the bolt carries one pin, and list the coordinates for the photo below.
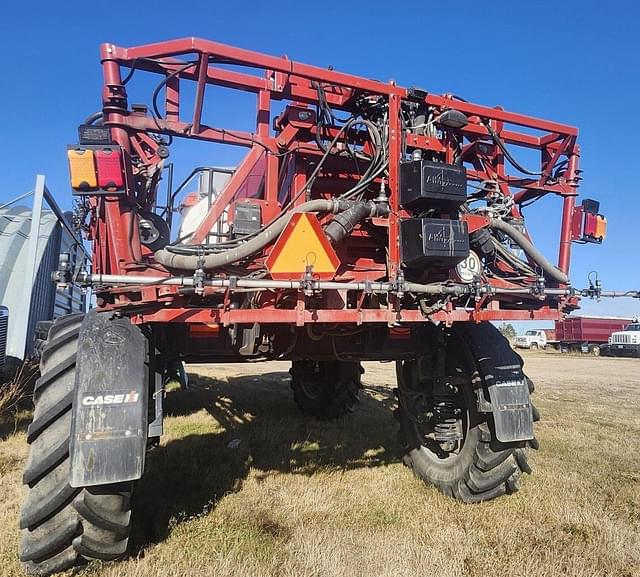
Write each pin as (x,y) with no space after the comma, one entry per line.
(88,437)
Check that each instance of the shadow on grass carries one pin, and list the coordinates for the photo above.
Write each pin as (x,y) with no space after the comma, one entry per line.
(189,475)
(16,387)
(16,421)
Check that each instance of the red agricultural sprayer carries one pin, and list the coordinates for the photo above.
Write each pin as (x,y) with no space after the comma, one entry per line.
(367,221)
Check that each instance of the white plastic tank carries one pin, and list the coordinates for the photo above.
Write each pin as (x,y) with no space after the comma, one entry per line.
(195,206)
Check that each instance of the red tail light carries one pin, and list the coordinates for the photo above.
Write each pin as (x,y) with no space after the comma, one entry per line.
(109,168)
(96,169)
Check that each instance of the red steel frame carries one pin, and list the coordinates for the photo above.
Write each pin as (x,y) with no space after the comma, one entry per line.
(117,251)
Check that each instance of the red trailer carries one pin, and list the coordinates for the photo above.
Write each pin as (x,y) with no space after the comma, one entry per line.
(587,334)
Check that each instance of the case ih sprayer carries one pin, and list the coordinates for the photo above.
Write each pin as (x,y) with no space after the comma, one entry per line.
(367,221)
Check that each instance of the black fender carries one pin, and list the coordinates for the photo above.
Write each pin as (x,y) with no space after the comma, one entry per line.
(110,409)
(506,389)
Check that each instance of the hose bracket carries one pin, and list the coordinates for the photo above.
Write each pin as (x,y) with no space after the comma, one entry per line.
(199,277)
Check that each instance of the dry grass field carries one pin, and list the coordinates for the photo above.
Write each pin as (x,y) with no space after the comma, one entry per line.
(243,485)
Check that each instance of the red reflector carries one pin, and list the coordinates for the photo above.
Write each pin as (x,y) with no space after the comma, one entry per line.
(109,168)
(577,223)
(590,224)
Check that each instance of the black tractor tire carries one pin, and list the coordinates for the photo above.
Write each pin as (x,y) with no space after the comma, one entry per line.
(40,338)
(62,526)
(326,389)
(483,468)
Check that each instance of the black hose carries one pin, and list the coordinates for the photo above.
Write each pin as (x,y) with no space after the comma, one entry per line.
(349,214)
(527,246)
(258,242)
(93,118)
(506,152)
(156,90)
(131,72)
(343,223)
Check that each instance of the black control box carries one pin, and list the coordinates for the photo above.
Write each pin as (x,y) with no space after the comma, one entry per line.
(425,185)
(248,218)
(433,242)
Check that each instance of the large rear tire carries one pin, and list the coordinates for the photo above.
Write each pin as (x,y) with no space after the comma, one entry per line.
(326,389)
(475,466)
(63,526)
(40,338)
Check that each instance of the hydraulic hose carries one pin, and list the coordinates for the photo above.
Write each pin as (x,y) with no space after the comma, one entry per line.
(213,261)
(344,223)
(527,246)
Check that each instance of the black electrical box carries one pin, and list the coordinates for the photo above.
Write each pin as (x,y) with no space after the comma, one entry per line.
(425,185)
(591,206)
(90,134)
(433,242)
(247,219)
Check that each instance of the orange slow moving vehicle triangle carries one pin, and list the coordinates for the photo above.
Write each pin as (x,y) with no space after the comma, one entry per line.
(301,244)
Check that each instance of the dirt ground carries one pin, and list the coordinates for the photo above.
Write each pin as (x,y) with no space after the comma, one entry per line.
(243,485)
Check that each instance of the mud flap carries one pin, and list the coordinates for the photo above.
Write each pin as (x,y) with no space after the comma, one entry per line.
(512,412)
(109,426)
(507,392)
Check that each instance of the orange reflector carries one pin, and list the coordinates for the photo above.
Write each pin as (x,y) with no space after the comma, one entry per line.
(82,169)
(601,227)
(301,244)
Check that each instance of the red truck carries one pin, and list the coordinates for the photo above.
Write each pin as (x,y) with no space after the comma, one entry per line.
(585,334)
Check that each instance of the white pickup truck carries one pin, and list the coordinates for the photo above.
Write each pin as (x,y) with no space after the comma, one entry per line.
(624,343)
(532,339)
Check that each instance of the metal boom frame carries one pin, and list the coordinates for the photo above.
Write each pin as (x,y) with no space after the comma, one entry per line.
(292,147)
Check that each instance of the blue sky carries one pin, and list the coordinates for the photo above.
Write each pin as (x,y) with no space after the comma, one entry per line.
(575,62)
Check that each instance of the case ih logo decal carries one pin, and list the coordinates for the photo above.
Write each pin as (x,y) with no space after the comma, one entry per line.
(119,399)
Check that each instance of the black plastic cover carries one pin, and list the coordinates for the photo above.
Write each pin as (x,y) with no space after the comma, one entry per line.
(425,184)
(433,242)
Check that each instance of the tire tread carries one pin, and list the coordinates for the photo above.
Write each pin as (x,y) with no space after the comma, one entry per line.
(62,526)
(493,468)
(334,403)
